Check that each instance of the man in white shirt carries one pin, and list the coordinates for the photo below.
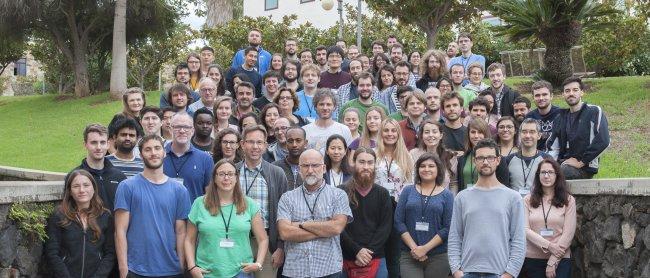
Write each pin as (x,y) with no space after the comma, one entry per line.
(321,129)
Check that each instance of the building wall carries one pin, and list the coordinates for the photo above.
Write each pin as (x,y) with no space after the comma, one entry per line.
(311,11)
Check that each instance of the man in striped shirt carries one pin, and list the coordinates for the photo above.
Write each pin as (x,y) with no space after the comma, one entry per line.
(126,137)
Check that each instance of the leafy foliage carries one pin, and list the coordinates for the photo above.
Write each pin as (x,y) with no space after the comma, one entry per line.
(31,218)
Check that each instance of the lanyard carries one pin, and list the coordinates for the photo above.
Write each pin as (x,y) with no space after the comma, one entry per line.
(178,169)
(425,199)
(304,96)
(388,166)
(227,225)
(334,180)
(249,186)
(546,214)
(530,168)
(311,208)
(466,62)
(471,167)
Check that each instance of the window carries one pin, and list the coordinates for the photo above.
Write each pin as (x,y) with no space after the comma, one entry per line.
(270,4)
(20,67)
(305,1)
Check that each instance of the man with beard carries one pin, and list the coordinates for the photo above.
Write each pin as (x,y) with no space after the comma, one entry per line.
(545,112)
(296,145)
(363,241)
(321,57)
(150,213)
(264,183)
(278,150)
(271,81)
(504,96)
(310,220)
(208,93)
(487,232)
(396,53)
(106,176)
(580,133)
(150,120)
(523,164)
(306,57)
(181,75)
(244,94)
(454,131)
(127,133)
(334,77)
(247,68)
(365,84)
(432,94)
(184,163)
(290,48)
(521,107)
(290,71)
(203,122)
(452,51)
(403,77)
(325,126)
(348,91)
(310,75)
(262,60)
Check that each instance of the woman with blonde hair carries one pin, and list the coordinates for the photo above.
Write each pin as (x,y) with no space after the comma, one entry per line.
(370,134)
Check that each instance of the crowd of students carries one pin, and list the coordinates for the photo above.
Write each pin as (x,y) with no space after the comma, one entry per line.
(391,165)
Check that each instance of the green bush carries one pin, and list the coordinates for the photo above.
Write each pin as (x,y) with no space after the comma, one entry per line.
(31,218)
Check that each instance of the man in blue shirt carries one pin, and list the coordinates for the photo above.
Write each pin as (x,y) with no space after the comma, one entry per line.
(150,213)
(466,57)
(184,162)
(263,58)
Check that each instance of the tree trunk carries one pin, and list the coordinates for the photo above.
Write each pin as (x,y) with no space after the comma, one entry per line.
(81,79)
(432,35)
(557,64)
(218,12)
(118,62)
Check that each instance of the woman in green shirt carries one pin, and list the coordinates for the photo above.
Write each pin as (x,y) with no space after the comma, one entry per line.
(222,221)
(477,130)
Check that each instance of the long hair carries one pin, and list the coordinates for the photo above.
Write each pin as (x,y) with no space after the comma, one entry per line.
(424,64)
(262,115)
(70,211)
(440,168)
(345,168)
(217,153)
(443,153)
(515,134)
(561,193)
(382,56)
(221,86)
(125,101)
(477,124)
(352,184)
(380,83)
(365,139)
(212,200)
(400,154)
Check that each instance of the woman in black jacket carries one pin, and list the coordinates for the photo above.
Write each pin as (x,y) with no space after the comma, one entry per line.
(80,231)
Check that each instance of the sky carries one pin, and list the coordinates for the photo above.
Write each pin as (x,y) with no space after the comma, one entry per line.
(195,22)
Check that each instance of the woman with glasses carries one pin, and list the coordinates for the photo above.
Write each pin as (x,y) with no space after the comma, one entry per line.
(422,219)
(477,130)
(194,64)
(226,146)
(379,61)
(476,84)
(550,223)
(220,223)
(444,85)
(507,136)
(288,103)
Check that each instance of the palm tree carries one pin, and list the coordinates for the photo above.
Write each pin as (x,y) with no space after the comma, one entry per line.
(558,24)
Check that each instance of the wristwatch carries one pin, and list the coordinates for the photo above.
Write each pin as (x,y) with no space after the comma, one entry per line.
(259,265)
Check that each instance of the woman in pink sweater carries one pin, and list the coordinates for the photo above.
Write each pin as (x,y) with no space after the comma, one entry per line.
(550,224)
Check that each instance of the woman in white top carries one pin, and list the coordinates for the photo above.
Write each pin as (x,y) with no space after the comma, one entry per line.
(222,113)
(336,161)
(394,164)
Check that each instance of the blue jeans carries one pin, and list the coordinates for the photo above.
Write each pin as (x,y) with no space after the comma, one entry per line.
(480,275)
(242,274)
(335,275)
(382,272)
(534,268)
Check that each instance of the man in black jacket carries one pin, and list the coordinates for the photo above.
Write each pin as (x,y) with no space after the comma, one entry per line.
(106,176)
(504,95)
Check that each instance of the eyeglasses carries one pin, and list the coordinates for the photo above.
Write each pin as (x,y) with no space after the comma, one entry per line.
(285,98)
(205,90)
(227,143)
(547,173)
(182,127)
(257,143)
(281,128)
(483,159)
(445,86)
(310,166)
(506,127)
(224,174)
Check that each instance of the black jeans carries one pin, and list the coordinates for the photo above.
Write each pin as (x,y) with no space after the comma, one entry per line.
(536,268)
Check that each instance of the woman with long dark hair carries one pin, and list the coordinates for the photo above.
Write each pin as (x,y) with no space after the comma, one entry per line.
(336,161)
(216,73)
(429,137)
(550,213)
(268,115)
(80,231)
(379,61)
(220,223)
(506,135)
(226,146)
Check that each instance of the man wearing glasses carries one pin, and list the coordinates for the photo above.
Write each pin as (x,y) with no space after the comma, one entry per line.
(311,219)
(185,163)
(208,94)
(334,77)
(264,183)
(487,236)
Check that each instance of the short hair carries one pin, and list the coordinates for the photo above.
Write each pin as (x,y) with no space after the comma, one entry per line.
(254,128)
(125,122)
(572,79)
(247,85)
(193,55)
(522,99)
(335,49)
(249,49)
(448,96)
(397,45)
(479,101)
(303,51)
(292,127)
(207,48)
(353,46)
(151,109)
(180,87)
(256,30)
(242,76)
(378,42)
(392,36)
(542,84)
(271,74)
(202,110)
(219,100)
(487,143)
(102,130)
(475,65)
(253,115)
(148,138)
(292,39)
(464,35)
(309,67)
(321,47)
(165,110)
(323,93)
(403,64)
(287,62)
(496,66)
(403,89)
(366,75)
(440,168)
(180,66)
(294,97)
(418,94)
(530,121)
(456,65)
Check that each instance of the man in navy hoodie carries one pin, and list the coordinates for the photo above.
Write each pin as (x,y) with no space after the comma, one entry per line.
(580,133)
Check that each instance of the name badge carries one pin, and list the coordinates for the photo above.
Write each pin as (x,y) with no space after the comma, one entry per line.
(179,180)
(422,226)
(226,243)
(524,191)
(546,232)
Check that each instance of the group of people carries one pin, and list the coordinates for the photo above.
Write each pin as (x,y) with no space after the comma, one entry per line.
(347,166)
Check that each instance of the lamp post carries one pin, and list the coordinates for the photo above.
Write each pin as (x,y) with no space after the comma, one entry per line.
(359,22)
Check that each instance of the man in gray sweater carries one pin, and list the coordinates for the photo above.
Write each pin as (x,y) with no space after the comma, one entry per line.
(487,237)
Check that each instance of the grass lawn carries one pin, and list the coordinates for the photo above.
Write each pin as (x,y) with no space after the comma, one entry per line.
(42,132)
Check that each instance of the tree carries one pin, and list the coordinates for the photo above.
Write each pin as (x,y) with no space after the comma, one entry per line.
(428,15)
(218,12)
(558,24)
(11,49)
(118,65)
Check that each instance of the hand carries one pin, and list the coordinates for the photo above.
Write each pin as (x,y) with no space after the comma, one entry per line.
(250,267)
(418,252)
(550,271)
(574,163)
(364,256)
(459,274)
(124,272)
(359,263)
(198,272)
(423,258)
(506,275)
(277,258)
(556,250)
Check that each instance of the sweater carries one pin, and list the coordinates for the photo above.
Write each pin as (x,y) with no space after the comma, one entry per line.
(333,80)
(372,224)
(563,222)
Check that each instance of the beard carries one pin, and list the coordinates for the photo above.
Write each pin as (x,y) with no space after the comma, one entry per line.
(290,79)
(311,180)
(363,180)
(489,171)
(124,148)
(150,165)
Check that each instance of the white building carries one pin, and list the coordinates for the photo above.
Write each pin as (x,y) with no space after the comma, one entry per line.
(306,10)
